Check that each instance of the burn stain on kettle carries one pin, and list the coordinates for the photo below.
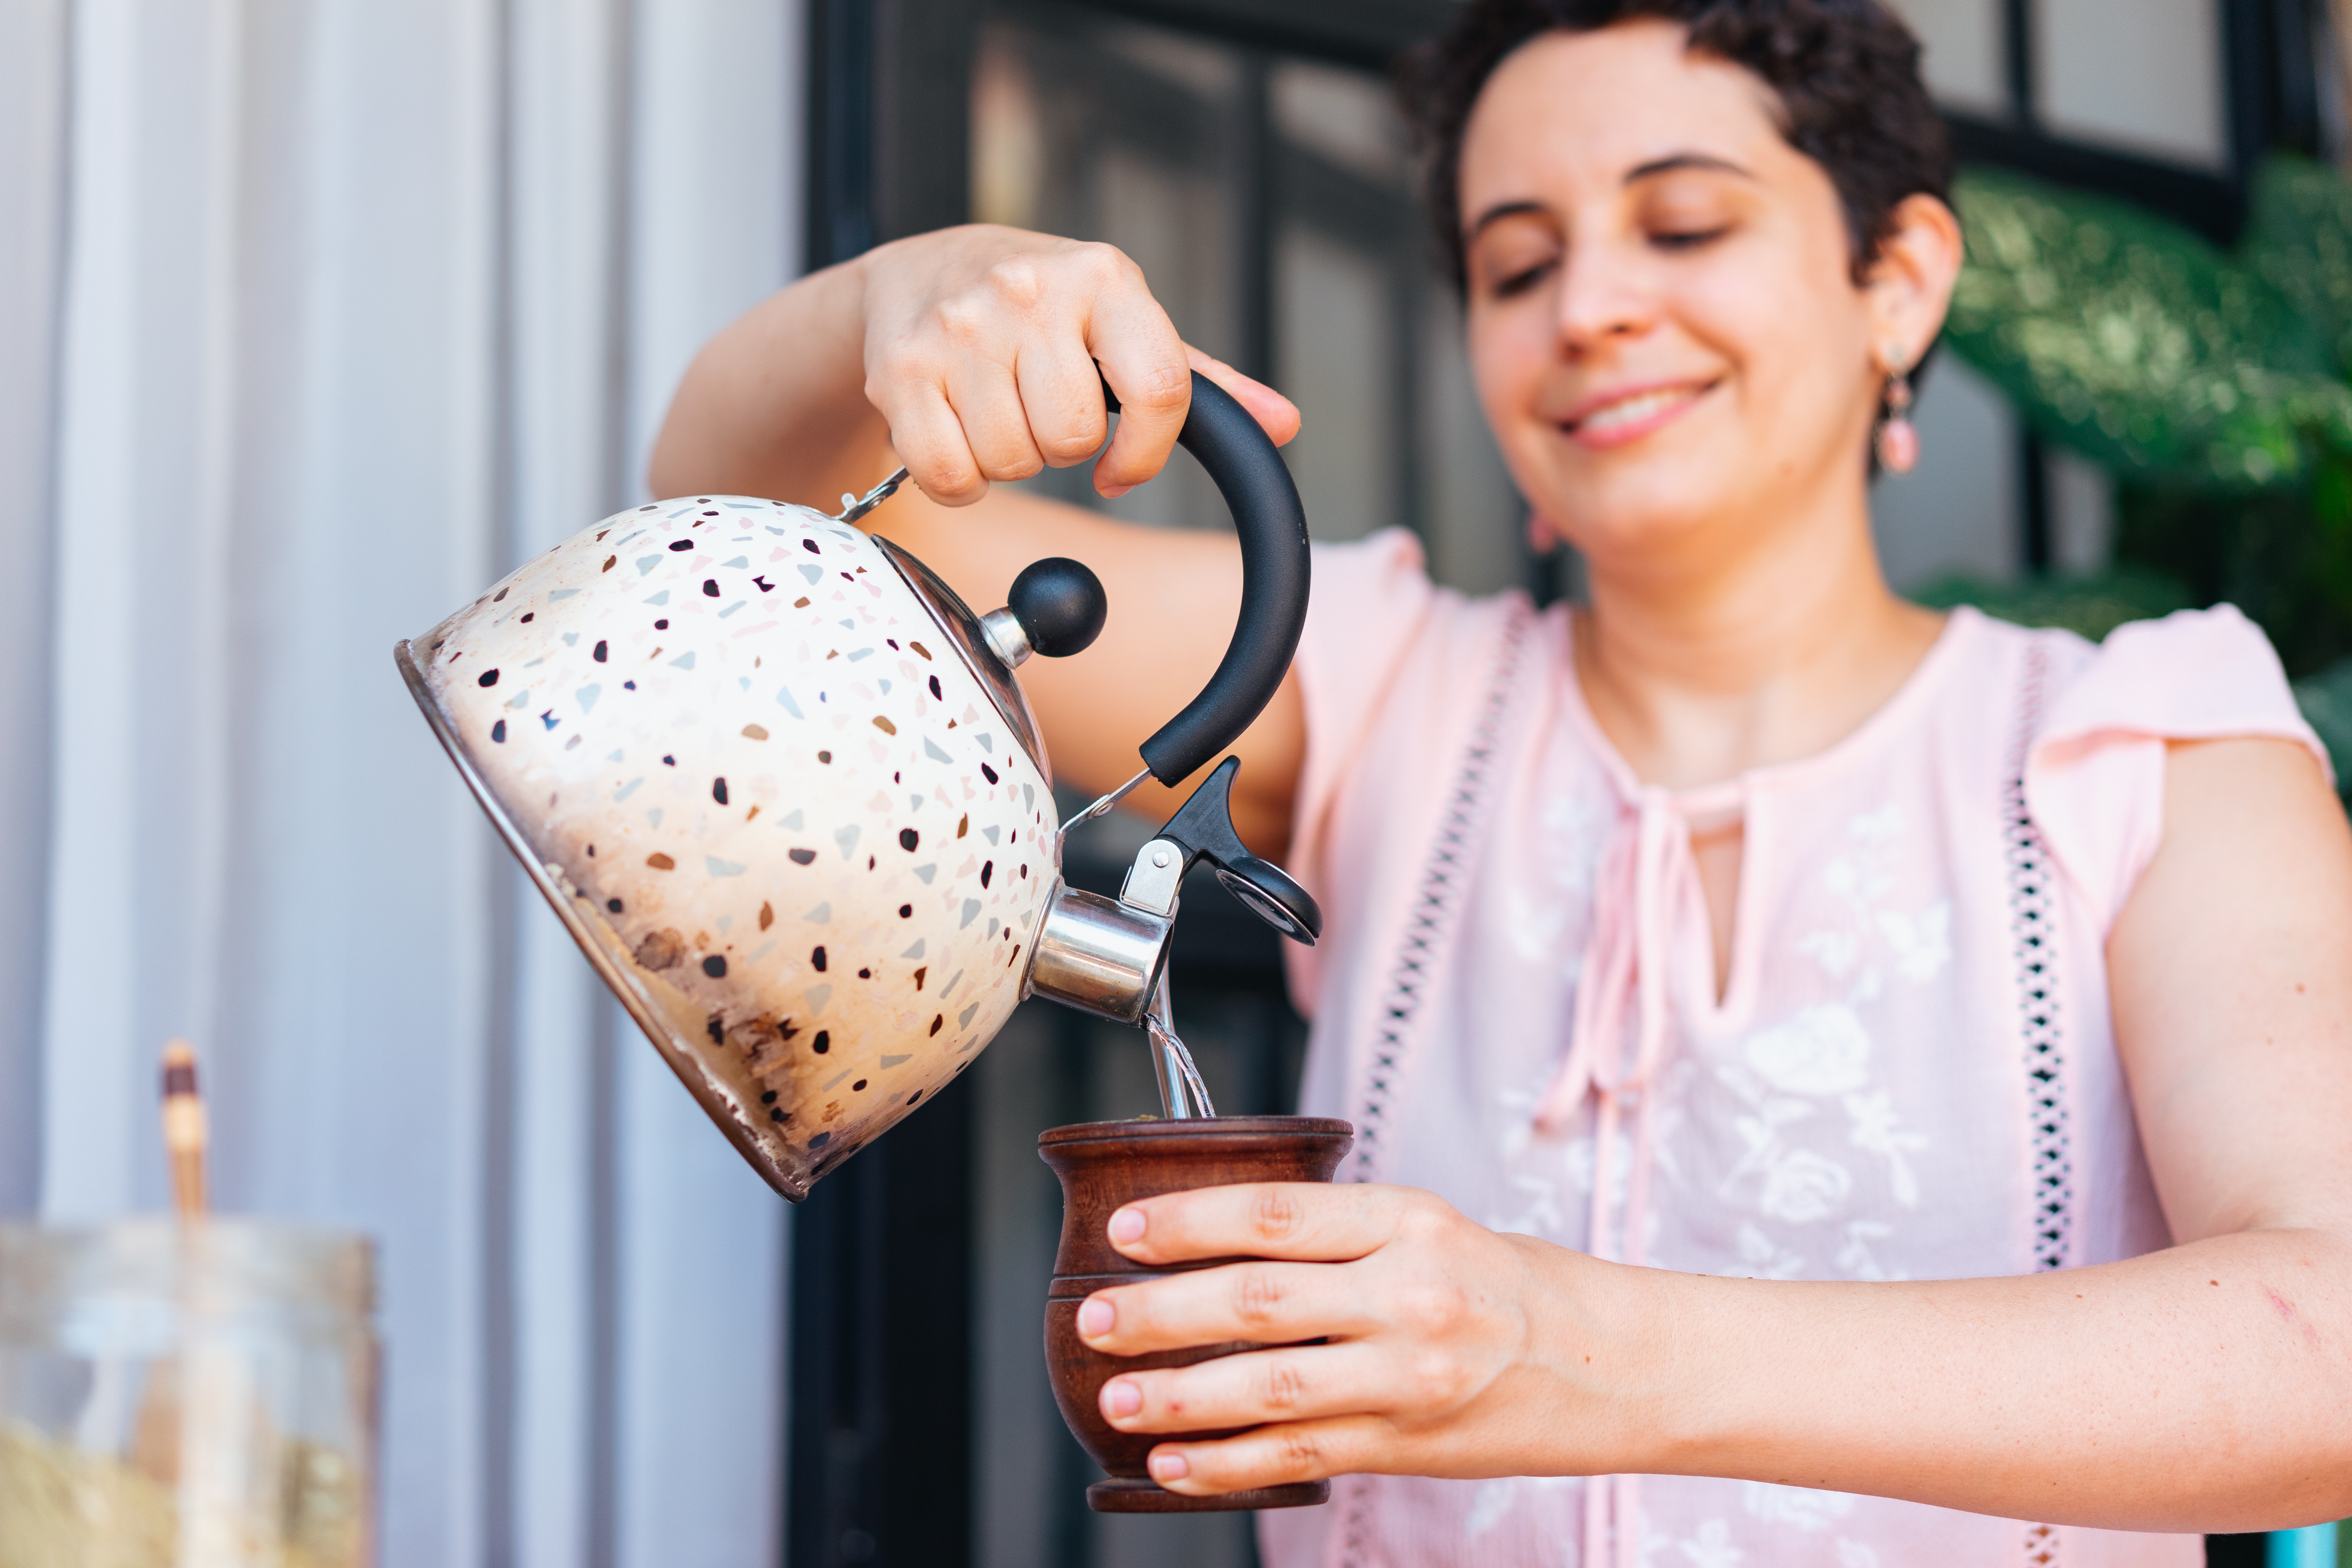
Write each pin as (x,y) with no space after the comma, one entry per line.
(660,951)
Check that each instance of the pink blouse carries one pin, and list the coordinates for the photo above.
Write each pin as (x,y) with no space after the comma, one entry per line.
(1911,1073)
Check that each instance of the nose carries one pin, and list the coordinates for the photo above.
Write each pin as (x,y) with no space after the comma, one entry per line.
(1604,293)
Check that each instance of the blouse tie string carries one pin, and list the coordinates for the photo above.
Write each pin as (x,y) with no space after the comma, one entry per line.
(1624,969)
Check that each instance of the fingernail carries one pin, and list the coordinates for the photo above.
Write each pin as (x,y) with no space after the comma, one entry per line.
(1126,1226)
(1095,1319)
(1112,492)
(1122,1398)
(1166,1467)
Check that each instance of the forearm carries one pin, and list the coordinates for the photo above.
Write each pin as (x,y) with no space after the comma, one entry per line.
(775,404)
(2207,1387)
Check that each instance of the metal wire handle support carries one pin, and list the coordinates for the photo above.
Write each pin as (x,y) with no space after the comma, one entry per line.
(855,507)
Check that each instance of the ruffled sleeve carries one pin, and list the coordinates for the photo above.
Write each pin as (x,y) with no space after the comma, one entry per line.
(1372,597)
(2095,778)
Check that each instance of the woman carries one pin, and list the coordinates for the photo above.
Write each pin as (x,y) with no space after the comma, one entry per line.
(1950,1017)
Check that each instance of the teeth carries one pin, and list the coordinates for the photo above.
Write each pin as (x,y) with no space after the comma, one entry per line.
(1633,409)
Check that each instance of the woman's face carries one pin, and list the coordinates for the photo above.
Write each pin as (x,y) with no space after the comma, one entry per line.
(1664,320)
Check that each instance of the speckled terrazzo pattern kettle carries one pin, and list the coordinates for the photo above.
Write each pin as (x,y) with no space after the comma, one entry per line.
(784,790)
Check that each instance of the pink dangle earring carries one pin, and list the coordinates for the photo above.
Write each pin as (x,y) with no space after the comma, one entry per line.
(1898,438)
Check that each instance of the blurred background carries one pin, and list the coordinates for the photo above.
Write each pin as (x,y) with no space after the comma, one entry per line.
(316,316)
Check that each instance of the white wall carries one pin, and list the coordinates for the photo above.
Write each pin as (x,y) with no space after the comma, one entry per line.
(361,304)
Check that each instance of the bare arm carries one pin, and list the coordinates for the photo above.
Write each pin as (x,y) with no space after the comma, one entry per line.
(2205,1387)
(971,356)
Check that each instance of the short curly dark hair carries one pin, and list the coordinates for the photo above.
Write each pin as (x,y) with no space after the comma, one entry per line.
(1846,72)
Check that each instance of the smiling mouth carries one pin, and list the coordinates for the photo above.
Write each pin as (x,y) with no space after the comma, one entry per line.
(1635,414)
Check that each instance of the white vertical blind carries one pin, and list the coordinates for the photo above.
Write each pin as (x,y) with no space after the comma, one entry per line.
(315,317)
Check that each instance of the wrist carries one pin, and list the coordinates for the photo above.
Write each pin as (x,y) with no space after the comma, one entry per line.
(1639,1372)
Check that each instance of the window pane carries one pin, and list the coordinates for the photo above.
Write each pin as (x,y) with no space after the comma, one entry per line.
(1962,51)
(2145,78)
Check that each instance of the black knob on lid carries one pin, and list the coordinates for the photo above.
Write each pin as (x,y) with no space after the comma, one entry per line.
(1060,606)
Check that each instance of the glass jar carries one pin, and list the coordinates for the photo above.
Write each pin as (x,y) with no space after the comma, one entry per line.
(199,1396)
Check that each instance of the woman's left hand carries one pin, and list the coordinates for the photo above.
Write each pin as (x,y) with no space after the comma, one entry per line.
(1451,1350)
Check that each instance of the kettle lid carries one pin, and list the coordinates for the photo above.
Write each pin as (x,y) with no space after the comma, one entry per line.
(970,638)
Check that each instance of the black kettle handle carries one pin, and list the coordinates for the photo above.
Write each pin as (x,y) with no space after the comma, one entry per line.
(1256,485)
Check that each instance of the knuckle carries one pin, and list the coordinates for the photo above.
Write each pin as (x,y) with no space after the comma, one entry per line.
(1302,1452)
(1433,1379)
(1277,1215)
(1434,1307)
(1103,263)
(1425,1218)
(1166,382)
(1018,282)
(1071,445)
(1286,1384)
(966,319)
(1014,466)
(949,480)
(1257,1297)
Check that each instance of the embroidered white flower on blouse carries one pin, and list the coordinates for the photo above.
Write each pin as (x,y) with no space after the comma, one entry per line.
(1802,1187)
(1800,1506)
(1542,1217)
(1495,1500)
(1922,944)
(1761,1258)
(1712,1547)
(1821,1050)
(1857,1258)
(1874,1121)
(1834,951)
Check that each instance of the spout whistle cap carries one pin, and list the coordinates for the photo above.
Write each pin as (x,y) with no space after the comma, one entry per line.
(1060,605)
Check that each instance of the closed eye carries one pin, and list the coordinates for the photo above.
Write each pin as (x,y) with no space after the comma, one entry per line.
(1689,239)
(1519,282)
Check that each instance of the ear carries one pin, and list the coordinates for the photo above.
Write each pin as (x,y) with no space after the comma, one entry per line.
(1909,286)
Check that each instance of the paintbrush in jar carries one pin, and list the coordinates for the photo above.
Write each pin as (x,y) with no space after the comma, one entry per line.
(186,1131)
(155,1437)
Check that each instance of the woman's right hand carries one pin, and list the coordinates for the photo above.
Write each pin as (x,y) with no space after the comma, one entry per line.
(982,345)
(975,352)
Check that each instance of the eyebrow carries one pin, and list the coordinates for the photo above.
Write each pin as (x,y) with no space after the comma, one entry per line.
(1674,163)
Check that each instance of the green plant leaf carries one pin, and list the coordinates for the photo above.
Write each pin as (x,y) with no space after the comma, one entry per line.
(2299,240)
(2134,342)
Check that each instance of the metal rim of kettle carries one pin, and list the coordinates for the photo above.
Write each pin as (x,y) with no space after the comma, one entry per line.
(561,896)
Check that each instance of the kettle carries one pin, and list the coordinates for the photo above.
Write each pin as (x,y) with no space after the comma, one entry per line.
(784,789)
